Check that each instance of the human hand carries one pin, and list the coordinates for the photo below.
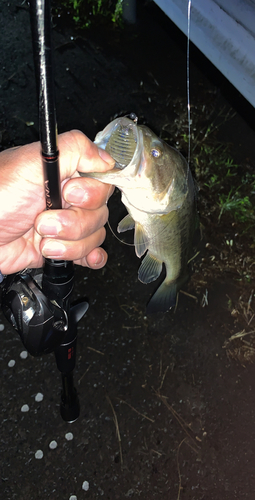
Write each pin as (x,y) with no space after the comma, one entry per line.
(28,232)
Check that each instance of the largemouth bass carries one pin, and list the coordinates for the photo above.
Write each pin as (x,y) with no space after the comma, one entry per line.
(158,192)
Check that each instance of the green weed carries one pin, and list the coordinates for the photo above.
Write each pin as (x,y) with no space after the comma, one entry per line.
(229,187)
(240,207)
(86,12)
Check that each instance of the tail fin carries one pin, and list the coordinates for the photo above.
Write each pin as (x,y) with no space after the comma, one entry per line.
(163,299)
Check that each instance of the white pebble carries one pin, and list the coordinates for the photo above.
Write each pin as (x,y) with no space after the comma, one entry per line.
(24,354)
(69,436)
(73,497)
(1,327)
(85,485)
(11,363)
(39,454)
(25,408)
(39,397)
(53,445)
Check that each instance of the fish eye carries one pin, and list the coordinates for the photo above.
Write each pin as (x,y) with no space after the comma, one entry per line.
(155,153)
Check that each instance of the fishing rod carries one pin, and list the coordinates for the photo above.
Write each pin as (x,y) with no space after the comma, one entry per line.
(38,304)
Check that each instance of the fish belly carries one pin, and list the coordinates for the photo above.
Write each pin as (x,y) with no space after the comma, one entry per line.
(159,235)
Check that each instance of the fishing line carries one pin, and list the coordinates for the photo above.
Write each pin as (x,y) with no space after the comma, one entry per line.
(135,119)
(188,79)
(117,238)
(149,240)
(110,227)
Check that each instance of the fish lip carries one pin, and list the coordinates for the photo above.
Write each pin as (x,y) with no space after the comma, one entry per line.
(103,137)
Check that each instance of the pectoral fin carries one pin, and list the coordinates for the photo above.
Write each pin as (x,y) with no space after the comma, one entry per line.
(126,224)
(150,269)
(141,240)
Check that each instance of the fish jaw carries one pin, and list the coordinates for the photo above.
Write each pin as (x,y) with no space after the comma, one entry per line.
(148,183)
(124,174)
(122,139)
(136,186)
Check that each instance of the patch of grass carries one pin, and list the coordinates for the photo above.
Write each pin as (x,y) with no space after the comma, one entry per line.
(240,207)
(229,187)
(213,181)
(87,12)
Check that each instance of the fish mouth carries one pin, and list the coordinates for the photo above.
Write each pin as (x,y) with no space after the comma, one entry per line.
(121,140)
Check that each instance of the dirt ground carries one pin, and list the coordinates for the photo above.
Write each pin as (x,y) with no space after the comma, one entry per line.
(168,401)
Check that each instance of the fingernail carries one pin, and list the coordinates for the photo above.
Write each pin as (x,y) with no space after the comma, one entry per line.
(75,195)
(53,249)
(49,228)
(100,259)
